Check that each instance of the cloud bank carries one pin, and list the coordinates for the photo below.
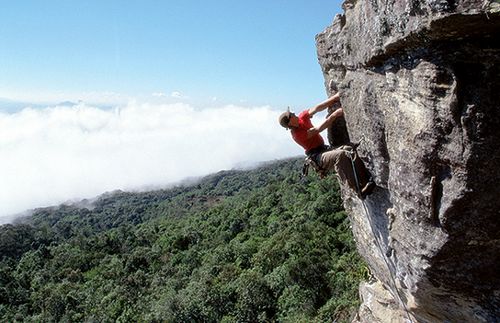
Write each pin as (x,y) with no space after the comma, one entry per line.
(61,153)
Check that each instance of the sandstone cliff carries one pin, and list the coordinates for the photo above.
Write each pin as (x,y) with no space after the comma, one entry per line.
(418,81)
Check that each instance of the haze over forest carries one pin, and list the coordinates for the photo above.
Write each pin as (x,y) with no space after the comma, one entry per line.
(96,97)
(68,152)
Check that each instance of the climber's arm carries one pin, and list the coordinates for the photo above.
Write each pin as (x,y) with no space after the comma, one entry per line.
(325,104)
(327,123)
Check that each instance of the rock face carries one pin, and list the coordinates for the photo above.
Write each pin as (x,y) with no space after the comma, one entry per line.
(419,81)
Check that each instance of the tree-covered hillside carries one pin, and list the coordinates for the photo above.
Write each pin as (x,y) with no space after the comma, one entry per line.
(238,246)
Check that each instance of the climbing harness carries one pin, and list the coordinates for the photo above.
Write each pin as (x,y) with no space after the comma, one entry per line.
(377,242)
(312,160)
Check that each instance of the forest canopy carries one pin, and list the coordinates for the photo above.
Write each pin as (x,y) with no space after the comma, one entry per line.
(237,246)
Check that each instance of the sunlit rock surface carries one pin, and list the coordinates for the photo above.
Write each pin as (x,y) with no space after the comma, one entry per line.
(420,82)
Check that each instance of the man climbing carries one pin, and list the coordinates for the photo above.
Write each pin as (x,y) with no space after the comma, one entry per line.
(322,157)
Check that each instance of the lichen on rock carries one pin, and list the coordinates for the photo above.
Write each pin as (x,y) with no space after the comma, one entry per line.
(418,82)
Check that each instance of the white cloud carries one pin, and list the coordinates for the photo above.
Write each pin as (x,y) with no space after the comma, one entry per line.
(178,95)
(159,94)
(59,153)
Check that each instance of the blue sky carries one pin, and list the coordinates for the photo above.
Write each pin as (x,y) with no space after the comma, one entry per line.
(97,96)
(257,52)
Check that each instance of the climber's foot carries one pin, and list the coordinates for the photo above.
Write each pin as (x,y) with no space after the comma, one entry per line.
(367,189)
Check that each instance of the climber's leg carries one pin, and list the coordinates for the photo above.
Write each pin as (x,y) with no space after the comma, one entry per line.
(340,161)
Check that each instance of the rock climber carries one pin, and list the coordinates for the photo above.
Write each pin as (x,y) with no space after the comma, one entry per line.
(322,157)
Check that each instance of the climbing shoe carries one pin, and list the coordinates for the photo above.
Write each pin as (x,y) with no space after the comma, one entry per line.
(368,189)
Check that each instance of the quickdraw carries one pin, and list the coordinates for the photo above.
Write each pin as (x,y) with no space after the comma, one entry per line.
(310,162)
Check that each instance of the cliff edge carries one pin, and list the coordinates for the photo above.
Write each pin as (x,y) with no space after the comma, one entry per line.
(418,82)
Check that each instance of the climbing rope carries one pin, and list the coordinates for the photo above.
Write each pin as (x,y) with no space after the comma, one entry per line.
(377,242)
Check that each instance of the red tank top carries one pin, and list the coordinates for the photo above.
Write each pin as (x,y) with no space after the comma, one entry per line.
(299,134)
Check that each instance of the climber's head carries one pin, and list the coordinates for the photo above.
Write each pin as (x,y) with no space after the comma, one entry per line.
(288,119)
